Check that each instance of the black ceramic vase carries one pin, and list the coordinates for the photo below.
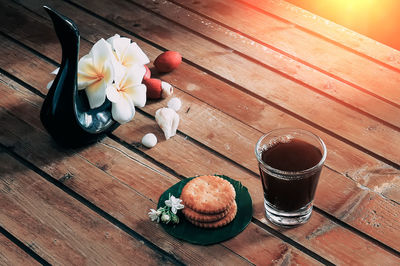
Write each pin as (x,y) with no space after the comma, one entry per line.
(65,112)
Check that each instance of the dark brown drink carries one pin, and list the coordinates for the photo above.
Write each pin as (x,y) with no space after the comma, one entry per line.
(290,194)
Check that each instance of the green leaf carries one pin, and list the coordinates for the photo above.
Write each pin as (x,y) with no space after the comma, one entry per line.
(205,236)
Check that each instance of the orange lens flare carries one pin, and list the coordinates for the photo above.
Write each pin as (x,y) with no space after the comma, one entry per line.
(377,19)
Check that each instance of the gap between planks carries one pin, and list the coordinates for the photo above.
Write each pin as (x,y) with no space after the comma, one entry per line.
(355,145)
(323,28)
(57,182)
(89,204)
(34,90)
(277,233)
(239,51)
(190,7)
(28,251)
(351,142)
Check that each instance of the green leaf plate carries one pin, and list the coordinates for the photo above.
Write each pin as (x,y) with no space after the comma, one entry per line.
(205,236)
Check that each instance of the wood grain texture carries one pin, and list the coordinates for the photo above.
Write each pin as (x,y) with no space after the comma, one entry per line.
(213,164)
(303,46)
(331,204)
(318,25)
(11,254)
(281,63)
(94,173)
(257,79)
(59,228)
(318,231)
(332,193)
(341,157)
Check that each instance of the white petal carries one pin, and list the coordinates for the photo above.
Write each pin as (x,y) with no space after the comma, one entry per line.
(108,72)
(123,111)
(174,103)
(111,39)
(134,75)
(119,71)
(100,52)
(168,120)
(112,94)
(137,95)
(134,55)
(55,71)
(86,72)
(96,93)
(49,84)
(175,123)
(119,45)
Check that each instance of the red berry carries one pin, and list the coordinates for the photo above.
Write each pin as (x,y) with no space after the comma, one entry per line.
(153,88)
(168,61)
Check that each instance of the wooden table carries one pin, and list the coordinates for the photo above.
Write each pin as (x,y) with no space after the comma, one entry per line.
(249,67)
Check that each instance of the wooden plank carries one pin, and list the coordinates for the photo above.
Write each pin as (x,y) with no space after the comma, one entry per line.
(185,150)
(267,84)
(271,248)
(303,46)
(93,172)
(318,81)
(343,158)
(11,254)
(179,153)
(58,227)
(330,30)
(334,194)
(351,163)
(330,204)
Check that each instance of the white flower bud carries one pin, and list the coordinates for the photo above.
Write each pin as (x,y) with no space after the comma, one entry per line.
(165,218)
(175,104)
(175,219)
(149,140)
(167,89)
(168,120)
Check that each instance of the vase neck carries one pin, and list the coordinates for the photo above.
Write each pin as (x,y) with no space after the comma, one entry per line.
(68,35)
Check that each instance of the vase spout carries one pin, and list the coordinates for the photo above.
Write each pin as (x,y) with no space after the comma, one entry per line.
(66,30)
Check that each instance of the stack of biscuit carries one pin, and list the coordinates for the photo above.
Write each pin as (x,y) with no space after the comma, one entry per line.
(209,201)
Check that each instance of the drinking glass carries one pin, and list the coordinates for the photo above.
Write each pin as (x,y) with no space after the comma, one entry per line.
(290,162)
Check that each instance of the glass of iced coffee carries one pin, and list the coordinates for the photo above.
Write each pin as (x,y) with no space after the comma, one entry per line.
(290,162)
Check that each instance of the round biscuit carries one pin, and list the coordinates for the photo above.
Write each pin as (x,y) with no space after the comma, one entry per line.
(226,220)
(208,194)
(207,218)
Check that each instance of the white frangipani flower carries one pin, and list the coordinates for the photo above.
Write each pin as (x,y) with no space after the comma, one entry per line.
(126,52)
(114,69)
(126,93)
(96,72)
(174,203)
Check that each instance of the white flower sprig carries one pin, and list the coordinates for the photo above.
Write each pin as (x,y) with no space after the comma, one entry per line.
(167,213)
